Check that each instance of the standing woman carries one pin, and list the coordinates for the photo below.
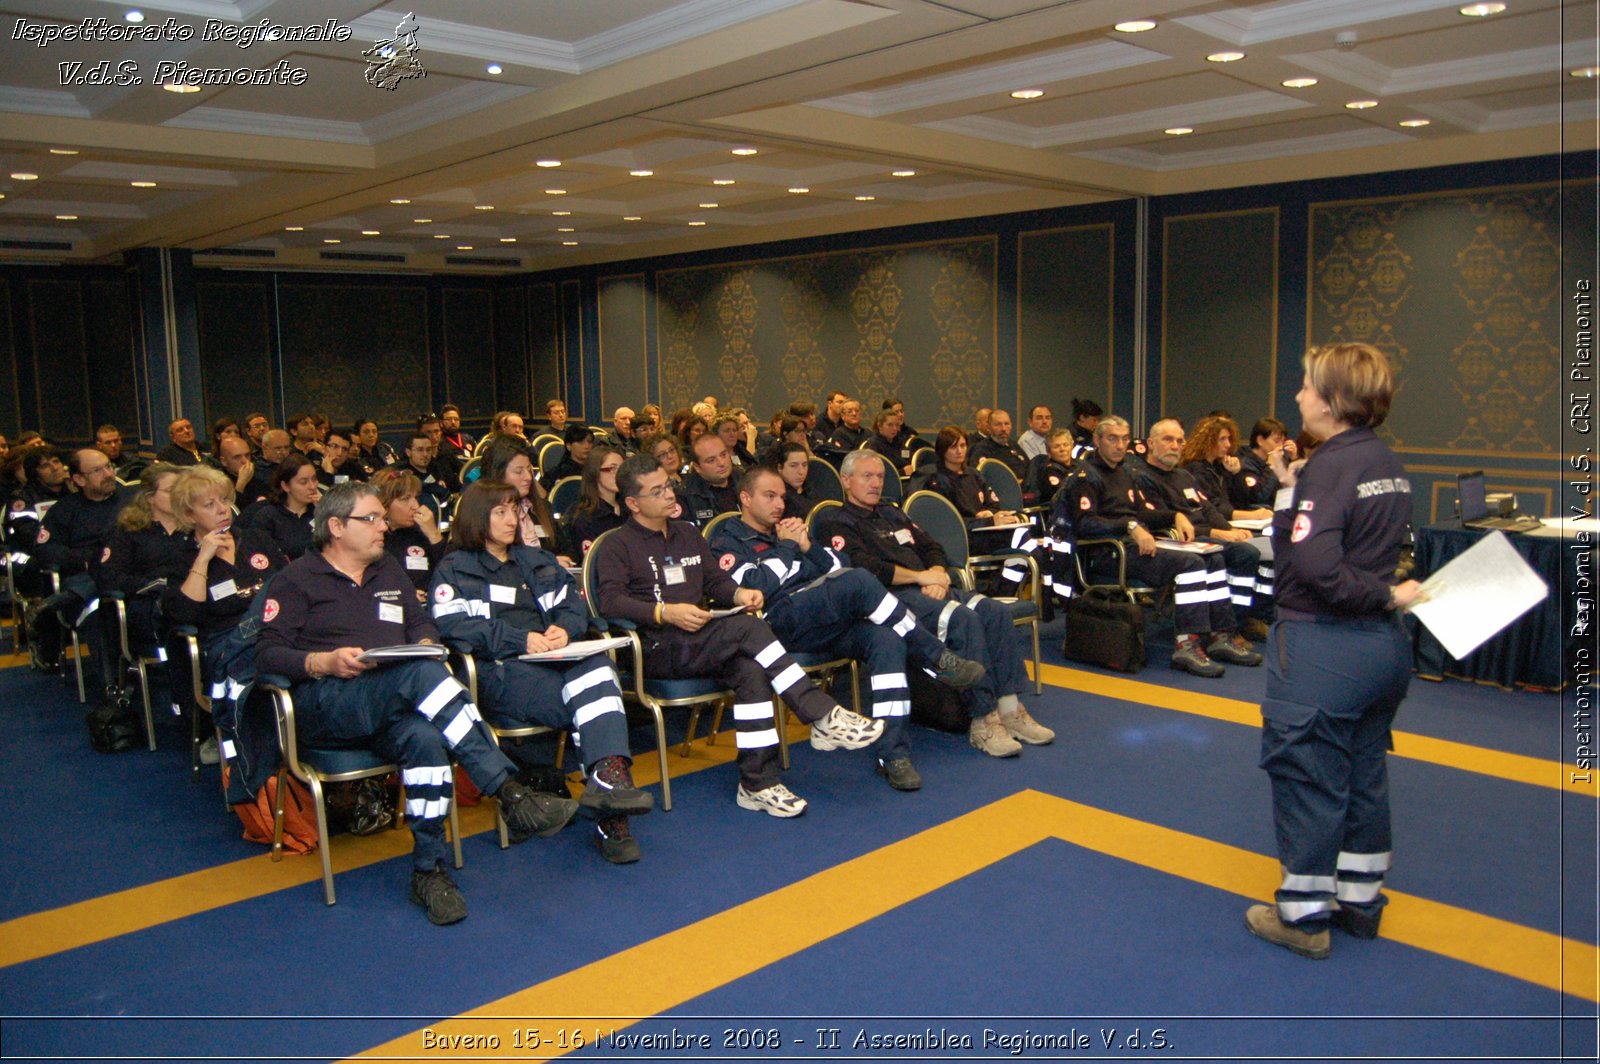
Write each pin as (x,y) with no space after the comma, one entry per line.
(1339,660)
(597,510)
(413,537)
(994,530)
(498,599)
(285,514)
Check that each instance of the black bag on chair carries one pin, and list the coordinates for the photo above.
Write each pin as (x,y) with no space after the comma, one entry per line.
(1105,629)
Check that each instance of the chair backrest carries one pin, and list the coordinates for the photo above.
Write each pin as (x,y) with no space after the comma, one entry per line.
(550,456)
(564,494)
(472,470)
(939,518)
(1003,482)
(894,489)
(817,511)
(922,459)
(715,523)
(823,480)
(542,439)
(591,586)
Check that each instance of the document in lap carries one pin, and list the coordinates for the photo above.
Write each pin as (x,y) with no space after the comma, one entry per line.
(1479,593)
(1192,547)
(583,648)
(405,652)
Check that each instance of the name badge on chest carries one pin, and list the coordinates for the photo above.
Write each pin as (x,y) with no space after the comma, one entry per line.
(391,613)
(226,589)
(902,535)
(673,574)
(502,593)
(416,561)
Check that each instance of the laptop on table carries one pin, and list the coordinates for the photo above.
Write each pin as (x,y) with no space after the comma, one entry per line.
(1474,502)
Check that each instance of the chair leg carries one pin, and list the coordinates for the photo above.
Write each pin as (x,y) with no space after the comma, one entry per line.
(716,724)
(77,666)
(1038,665)
(319,803)
(277,815)
(455,832)
(661,755)
(780,717)
(195,740)
(144,696)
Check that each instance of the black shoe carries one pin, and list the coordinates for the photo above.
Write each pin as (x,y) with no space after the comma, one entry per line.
(956,671)
(615,840)
(901,774)
(1190,656)
(1234,649)
(528,813)
(436,892)
(1355,923)
(610,790)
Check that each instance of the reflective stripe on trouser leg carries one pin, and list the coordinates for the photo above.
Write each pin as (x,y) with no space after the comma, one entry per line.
(428,686)
(1303,897)
(756,731)
(1361,878)
(591,695)
(921,645)
(416,745)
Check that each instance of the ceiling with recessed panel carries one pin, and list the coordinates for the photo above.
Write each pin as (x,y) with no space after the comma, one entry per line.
(535,135)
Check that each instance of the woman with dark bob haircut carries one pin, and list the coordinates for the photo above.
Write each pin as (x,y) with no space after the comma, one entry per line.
(1339,659)
(499,599)
(994,530)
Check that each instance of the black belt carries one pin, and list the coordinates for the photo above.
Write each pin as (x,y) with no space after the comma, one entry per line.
(1287,614)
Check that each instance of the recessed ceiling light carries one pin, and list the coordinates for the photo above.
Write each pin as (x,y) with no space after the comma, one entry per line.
(294,229)
(1587,72)
(483,207)
(632,218)
(744,151)
(329,240)
(697,223)
(555,192)
(180,87)
(30,177)
(66,217)
(441,236)
(370,232)
(421,221)
(401,202)
(559,214)
(1361,105)
(566,229)
(548,164)
(1482,10)
(1416,123)
(903,173)
(136,184)
(494,68)
(1138,25)
(508,240)
(799,190)
(63,151)
(2,195)
(1224,57)
(722,181)
(865,199)
(1299,83)
(708,206)
(133,16)
(569,243)
(1178,131)
(641,173)
(1027,94)
(463,247)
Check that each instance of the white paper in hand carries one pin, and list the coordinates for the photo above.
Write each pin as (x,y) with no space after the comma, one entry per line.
(1478,594)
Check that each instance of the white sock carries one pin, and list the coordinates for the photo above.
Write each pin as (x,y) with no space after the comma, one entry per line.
(1007,705)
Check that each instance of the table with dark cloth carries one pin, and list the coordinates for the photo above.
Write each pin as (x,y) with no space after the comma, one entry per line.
(1529,653)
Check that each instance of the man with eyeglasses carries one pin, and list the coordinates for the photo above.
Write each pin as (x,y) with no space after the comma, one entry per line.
(660,575)
(437,484)
(336,466)
(455,446)
(71,537)
(710,487)
(345,597)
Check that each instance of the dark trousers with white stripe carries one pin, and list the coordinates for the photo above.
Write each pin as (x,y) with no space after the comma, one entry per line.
(418,716)
(1018,540)
(742,652)
(1199,586)
(1242,562)
(977,627)
(1332,693)
(849,613)
(582,697)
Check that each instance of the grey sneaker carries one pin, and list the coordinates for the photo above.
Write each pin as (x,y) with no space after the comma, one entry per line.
(1020,726)
(436,892)
(901,774)
(1190,656)
(1263,922)
(990,736)
(610,790)
(1233,648)
(956,671)
(844,730)
(528,813)
(776,800)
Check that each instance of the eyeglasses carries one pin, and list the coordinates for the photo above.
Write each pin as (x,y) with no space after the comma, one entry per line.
(369,519)
(610,468)
(657,493)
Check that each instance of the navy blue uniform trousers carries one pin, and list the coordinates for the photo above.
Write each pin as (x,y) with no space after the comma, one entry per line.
(579,696)
(977,627)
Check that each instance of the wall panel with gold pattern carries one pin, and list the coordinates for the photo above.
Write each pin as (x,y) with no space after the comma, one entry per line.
(624,344)
(916,321)
(1065,319)
(353,350)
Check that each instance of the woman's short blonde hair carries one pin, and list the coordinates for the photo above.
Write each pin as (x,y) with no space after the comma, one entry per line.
(1355,380)
(394,483)
(194,484)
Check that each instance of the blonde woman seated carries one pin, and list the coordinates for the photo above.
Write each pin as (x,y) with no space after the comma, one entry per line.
(498,599)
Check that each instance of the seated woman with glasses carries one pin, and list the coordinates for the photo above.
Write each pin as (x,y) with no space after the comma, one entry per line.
(413,537)
(994,530)
(598,509)
(497,598)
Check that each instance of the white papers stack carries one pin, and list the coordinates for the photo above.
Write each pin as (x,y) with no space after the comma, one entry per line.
(1192,547)
(583,648)
(729,612)
(405,652)
(1479,593)
(1250,524)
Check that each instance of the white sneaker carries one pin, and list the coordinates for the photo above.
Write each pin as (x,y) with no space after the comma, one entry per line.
(844,730)
(1020,726)
(989,735)
(776,800)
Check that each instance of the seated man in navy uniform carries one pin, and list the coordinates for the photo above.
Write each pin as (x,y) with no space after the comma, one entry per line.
(183,450)
(881,539)
(996,443)
(710,488)
(814,603)
(437,484)
(322,612)
(1103,501)
(848,434)
(657,573)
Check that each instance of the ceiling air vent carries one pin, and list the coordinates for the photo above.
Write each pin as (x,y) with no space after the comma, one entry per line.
(242,253)
(362,256)
(35,245)
(473,260)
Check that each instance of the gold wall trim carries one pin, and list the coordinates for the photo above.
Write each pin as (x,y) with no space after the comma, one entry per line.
(1528,474)
(989,238)
(1272,358)
(600,332)
(1111,307)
